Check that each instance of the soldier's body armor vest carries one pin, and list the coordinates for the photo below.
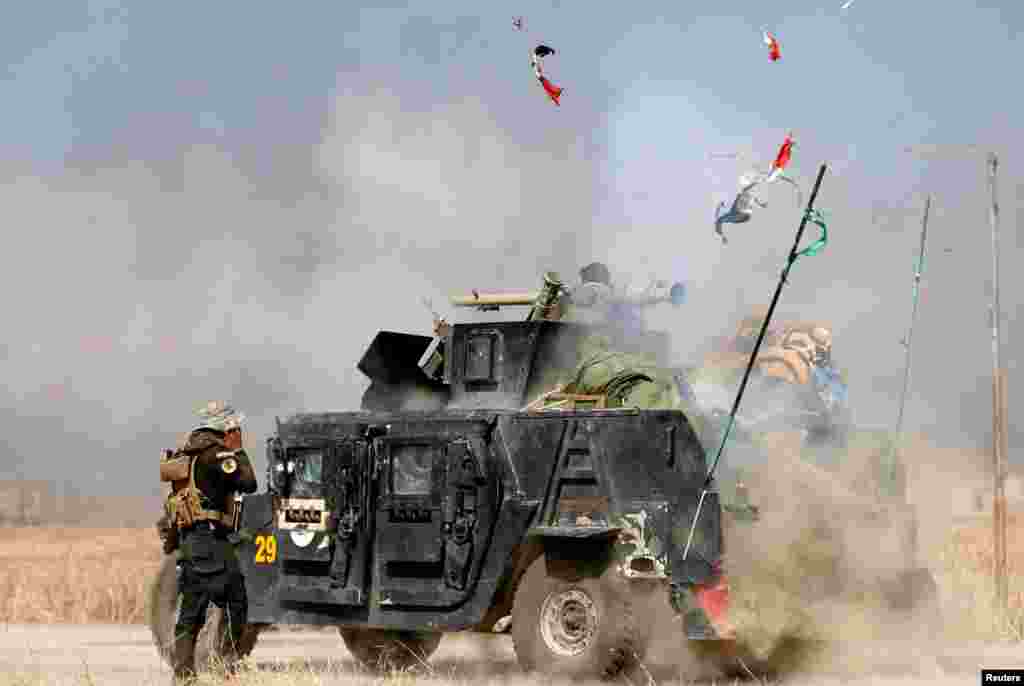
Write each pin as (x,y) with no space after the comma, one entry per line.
(184,504)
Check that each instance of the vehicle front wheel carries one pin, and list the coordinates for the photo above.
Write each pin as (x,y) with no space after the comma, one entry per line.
(387,649)
(576,628)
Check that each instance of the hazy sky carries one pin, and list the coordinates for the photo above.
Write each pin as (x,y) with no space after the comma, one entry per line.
(228,200)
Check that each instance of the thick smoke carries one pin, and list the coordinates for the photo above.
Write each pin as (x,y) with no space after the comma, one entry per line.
(144,284)
(138,290)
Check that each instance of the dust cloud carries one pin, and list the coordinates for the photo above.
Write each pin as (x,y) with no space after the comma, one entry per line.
(137,290)
(146,279)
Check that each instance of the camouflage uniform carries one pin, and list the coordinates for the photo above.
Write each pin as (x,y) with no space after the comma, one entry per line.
(209,568)
(627,379)
(620,378)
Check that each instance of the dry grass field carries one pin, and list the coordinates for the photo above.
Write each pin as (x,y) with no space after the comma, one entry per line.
(968,588)
(88,575)
(52,575)
(75,575)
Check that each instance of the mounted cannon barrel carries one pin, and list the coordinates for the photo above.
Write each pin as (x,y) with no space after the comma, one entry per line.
(551,300)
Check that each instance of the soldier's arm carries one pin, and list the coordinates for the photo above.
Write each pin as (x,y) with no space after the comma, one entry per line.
(246,475)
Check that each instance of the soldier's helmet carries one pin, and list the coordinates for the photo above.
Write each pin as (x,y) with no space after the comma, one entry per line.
(219,416)
(596,272)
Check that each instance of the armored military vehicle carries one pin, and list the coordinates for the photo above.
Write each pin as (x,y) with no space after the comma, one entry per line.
(539,476)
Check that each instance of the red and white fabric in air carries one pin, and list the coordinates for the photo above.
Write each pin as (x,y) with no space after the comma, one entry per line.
(785,154)
(553,91)
(774,53)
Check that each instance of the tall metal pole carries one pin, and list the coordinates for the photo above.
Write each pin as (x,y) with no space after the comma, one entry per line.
(907,342)
(999,442)
(794,254)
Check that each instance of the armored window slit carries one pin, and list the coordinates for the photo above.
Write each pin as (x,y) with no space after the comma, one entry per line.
(306,568)
(480,358)
(480,385)
(670,447)
(411,569)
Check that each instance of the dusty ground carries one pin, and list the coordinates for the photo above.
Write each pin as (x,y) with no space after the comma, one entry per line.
(117,654)
(71,600)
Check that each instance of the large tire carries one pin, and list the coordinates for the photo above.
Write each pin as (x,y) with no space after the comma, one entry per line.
(162,606)
(386,649)
(162,613)
(579,629)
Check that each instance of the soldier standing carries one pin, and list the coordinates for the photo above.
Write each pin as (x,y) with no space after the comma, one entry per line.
(201,517)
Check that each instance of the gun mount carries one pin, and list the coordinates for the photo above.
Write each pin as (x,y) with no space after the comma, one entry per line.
(554,298)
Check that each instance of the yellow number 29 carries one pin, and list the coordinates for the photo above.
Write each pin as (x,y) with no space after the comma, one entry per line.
(266,549)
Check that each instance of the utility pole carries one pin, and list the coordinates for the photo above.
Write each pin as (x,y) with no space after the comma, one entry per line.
(907,342)
(999,434)
(999,438)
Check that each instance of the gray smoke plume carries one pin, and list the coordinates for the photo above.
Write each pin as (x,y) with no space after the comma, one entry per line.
(181,256)
(139,290)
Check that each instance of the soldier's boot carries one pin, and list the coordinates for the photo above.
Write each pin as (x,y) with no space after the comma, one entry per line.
(184,658)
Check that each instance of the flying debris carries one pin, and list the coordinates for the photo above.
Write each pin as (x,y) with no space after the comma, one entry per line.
(539,53)
(542,51)
(518,23)
(796,187)
(742,208)
(846,5)
(783,157)
(773,46)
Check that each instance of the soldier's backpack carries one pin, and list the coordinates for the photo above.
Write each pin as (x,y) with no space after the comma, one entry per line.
(183,506)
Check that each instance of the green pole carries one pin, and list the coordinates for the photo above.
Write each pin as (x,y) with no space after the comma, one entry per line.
(891,485)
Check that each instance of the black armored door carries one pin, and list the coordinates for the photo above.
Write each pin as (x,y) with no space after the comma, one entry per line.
(348,495)
(434,515)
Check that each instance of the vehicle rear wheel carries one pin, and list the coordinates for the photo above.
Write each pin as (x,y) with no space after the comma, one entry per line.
(162,613)
(581,628)
(387,649)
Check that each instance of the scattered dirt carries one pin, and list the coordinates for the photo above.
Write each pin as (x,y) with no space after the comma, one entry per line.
(116,655)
